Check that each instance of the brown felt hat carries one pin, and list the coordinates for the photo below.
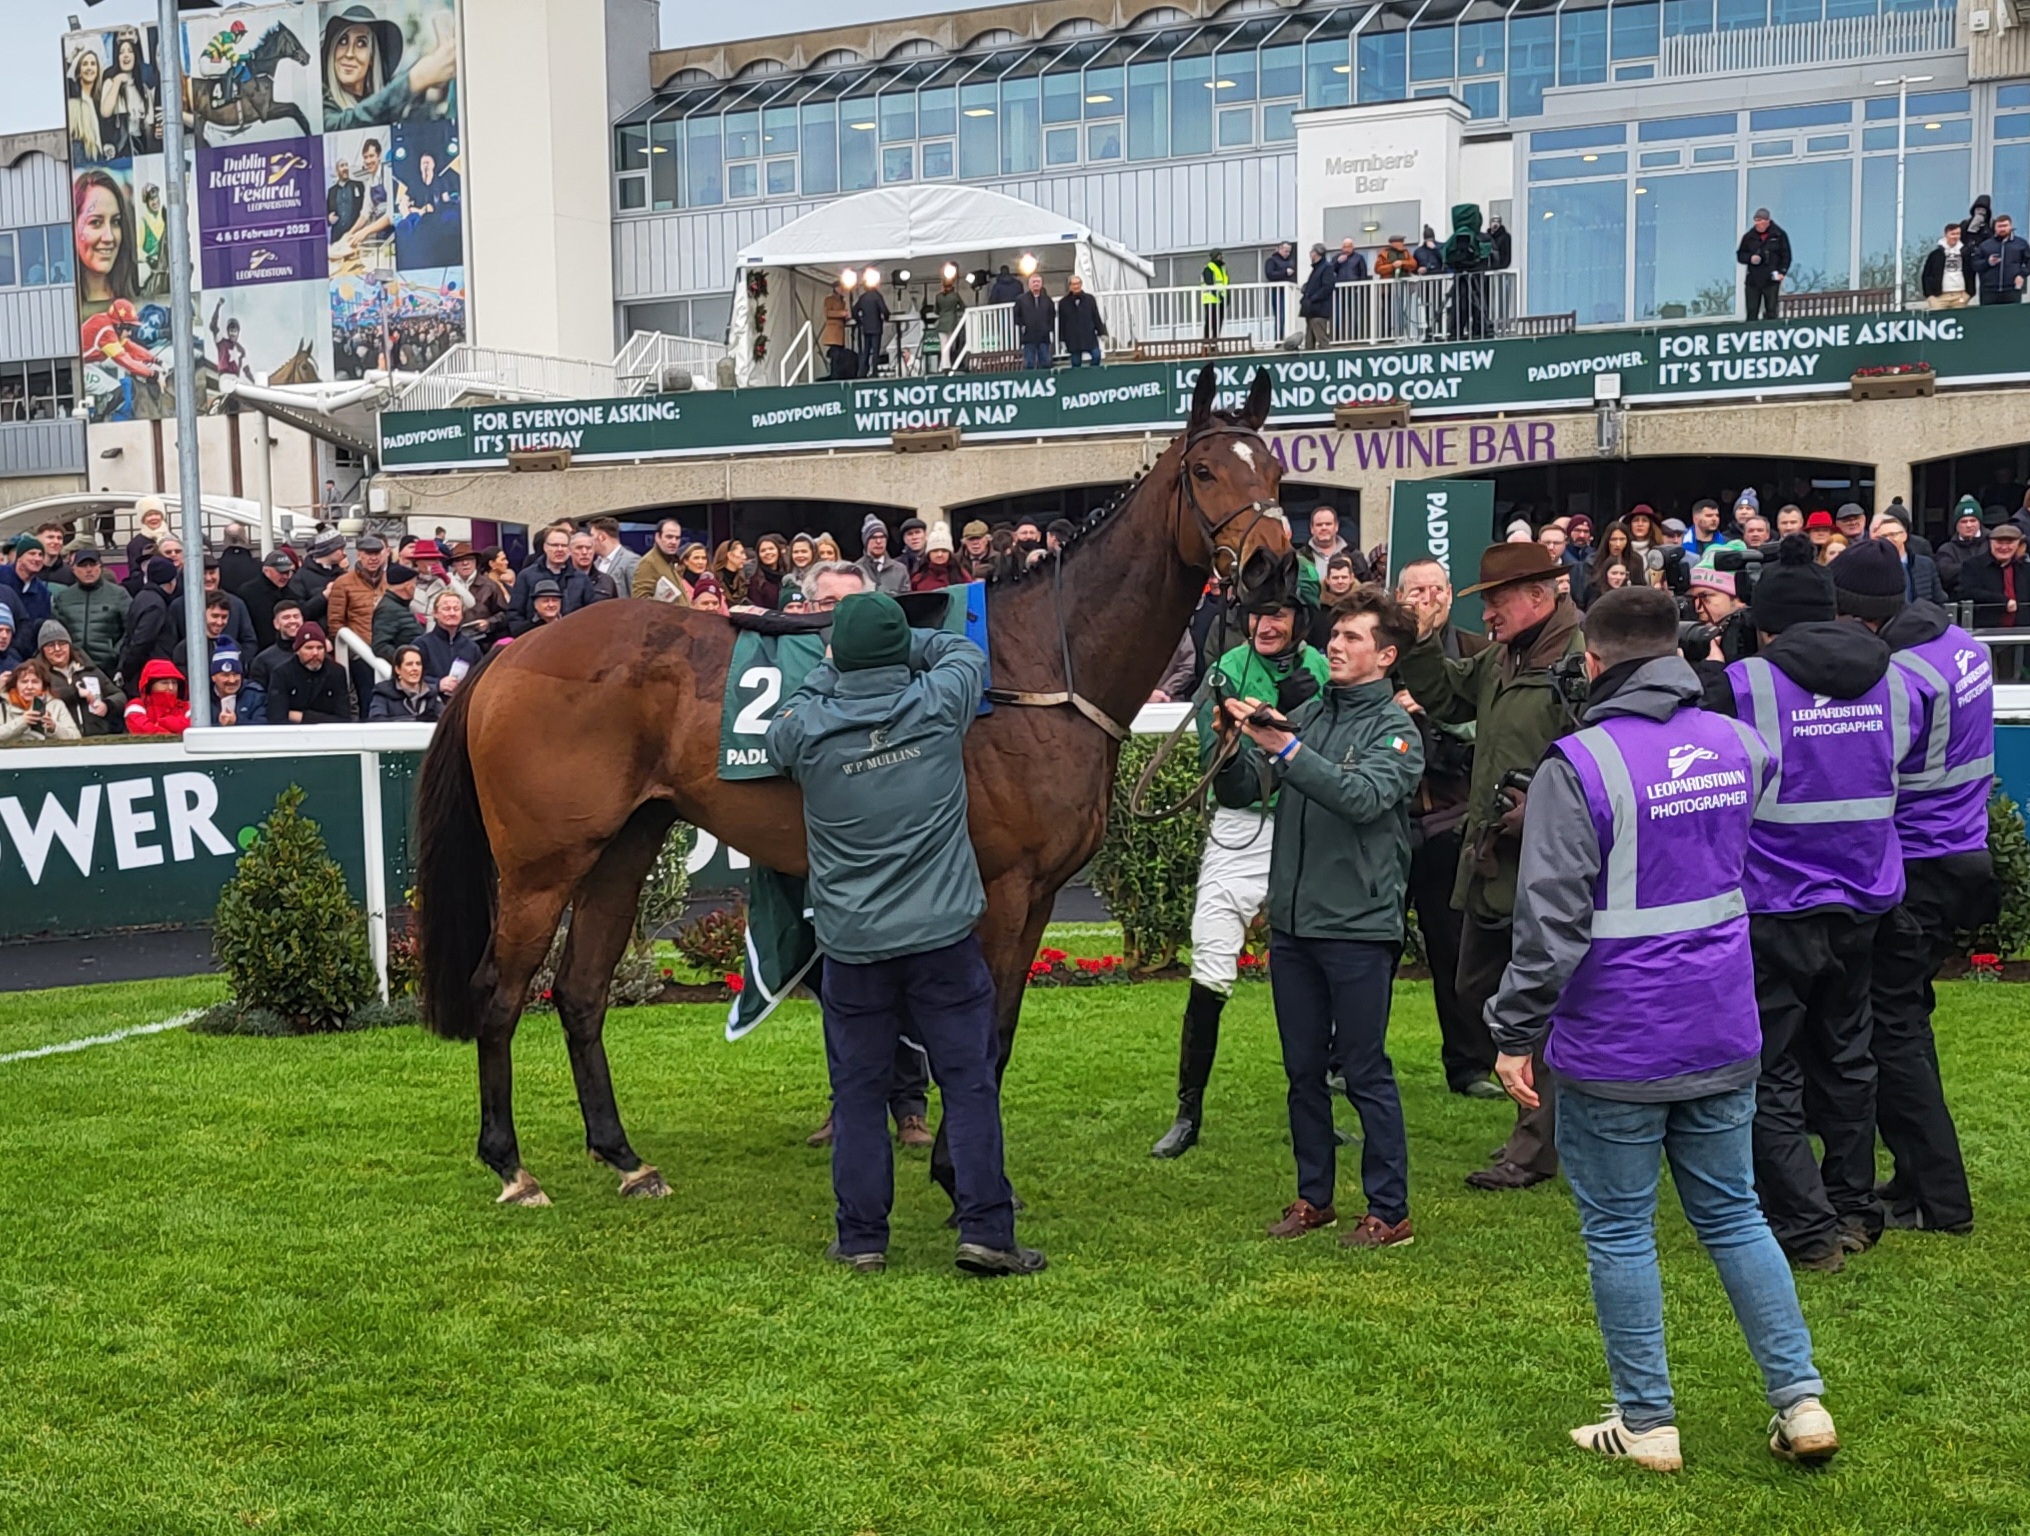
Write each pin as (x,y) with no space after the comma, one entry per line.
(1503,564)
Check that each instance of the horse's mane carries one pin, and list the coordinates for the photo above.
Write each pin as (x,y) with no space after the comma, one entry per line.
(1093,521)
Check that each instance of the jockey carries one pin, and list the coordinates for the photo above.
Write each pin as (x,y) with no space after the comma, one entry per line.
(1275,666)
(220,63)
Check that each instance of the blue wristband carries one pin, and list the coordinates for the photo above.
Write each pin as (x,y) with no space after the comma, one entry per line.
(1289,747)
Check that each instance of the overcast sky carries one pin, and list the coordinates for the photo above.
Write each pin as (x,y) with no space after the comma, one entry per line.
(31,81)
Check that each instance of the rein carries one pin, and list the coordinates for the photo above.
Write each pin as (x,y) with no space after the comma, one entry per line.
(1226,572)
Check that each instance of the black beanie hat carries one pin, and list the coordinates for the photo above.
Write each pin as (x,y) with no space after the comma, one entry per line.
(1794,590)
(1868,580)
(869,630)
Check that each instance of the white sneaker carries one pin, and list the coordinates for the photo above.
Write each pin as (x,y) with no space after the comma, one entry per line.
(1656,1449)
(1803,1432)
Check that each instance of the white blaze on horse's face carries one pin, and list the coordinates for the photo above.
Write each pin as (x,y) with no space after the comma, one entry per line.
(1245,453)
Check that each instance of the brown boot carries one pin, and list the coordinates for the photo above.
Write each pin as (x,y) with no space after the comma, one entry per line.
(1301,1216)
(914,1132)
(1373,1232)
(822,1136)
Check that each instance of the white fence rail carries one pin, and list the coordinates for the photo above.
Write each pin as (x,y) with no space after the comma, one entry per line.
(981,329)
(469,373)
(1262,313)
(1444,306)
(646,363)
(1838,41)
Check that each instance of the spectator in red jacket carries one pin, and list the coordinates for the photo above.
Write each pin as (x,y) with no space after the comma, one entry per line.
(939,569)
(159,708)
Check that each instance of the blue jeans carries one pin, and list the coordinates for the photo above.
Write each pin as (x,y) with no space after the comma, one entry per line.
(1609,1149)
(1080,358)
(1036,354)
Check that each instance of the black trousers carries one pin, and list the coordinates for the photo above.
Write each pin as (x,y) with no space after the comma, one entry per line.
(1332,1010)
(909,1092)
(362,677)
(1484,949)
(1465,1049)
(1762,299)
(1812,975)
(945,1000)
(1941,897)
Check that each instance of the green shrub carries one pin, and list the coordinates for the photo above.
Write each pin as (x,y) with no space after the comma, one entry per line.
(2009,935)
(717,942)
(287,934)
(1147,871)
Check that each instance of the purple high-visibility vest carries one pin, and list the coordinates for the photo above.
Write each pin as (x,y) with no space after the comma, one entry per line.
(1825,834)
(1667,986)
(1943,786)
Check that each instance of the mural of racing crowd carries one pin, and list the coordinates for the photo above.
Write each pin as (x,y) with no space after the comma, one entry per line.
(327,197)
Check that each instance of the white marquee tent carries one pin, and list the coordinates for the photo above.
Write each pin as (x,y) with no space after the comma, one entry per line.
(919,228)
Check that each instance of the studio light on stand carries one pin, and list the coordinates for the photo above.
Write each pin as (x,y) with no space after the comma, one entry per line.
(1027,266)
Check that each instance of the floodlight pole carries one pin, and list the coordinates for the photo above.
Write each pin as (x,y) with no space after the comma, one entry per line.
(182,319)
(1903,83)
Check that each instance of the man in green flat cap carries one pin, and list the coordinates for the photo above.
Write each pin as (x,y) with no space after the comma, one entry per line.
(876,738)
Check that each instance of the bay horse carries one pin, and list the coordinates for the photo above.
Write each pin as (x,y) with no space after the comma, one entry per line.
(561,765)
(256,102)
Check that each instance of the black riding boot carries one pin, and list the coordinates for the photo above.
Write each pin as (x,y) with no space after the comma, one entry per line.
(1196,1048)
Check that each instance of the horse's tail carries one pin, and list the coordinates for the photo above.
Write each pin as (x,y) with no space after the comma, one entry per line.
(457,885)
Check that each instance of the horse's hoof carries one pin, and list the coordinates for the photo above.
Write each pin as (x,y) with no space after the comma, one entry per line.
(644,1183)
(522,1189)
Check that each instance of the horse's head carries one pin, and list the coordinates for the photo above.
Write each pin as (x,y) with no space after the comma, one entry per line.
(283,43)
(1232,523)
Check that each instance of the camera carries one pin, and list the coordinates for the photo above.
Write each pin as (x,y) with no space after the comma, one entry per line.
(1568,676)
(1512,786)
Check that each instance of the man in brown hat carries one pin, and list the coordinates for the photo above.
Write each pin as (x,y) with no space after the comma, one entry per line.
(1518,708)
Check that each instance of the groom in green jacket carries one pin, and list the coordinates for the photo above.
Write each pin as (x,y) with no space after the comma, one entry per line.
(1344,767)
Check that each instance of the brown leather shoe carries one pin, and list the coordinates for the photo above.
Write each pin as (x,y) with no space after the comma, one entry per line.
(1373,1232)
(822,1136)
(914,1132)
(1301,1216)
(1504,1175)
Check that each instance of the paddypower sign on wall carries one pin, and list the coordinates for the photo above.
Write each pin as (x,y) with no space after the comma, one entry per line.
(1657,366)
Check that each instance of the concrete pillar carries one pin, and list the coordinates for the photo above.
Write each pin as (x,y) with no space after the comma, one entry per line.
(1892,479)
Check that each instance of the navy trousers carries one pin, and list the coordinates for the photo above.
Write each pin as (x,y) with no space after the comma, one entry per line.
(1332,1009)
(944,999)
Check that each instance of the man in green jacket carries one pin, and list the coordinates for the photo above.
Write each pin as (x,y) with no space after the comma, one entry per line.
(1344,767)
(876,738)
(1518,707)
(94,610)
(1275,665)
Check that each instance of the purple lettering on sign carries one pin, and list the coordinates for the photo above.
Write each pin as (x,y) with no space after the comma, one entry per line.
(1480,443)
(260,214)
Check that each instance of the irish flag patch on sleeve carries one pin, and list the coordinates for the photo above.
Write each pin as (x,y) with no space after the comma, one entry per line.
(1398,744)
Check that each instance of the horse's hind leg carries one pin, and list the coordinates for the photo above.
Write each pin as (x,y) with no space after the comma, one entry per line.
(521,938)
(602,921)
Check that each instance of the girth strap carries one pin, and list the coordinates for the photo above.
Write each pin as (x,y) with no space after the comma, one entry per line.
(1079,702)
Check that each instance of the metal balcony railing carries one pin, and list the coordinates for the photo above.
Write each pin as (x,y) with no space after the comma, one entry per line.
(1444,306)
(1261,314)
(475,375)
(646,363)
(1843,40)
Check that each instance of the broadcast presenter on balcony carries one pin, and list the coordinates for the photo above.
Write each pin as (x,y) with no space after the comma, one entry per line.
(876,739)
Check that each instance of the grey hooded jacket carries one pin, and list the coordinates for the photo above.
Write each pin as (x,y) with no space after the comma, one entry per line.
(1554,895)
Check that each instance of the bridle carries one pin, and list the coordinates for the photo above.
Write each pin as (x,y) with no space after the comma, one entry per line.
(1187,497)
(1226,572)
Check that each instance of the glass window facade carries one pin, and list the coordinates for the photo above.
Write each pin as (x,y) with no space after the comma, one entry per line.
(1578,250)
(1684,244)
(1174,90)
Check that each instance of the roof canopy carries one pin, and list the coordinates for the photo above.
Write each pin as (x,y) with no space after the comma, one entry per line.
(915,222)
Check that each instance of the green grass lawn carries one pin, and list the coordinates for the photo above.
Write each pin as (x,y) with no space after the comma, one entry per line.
(261,1284)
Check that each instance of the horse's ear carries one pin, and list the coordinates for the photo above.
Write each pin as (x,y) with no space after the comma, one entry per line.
(1256,411)
(1201,400)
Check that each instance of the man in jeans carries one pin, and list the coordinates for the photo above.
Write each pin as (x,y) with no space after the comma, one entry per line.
(1632,974)
(1343,767)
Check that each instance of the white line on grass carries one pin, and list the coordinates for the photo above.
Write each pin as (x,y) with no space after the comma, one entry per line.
(113,1039)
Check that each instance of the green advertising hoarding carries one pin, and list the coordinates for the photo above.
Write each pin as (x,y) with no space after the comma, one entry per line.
(98,838)
(1450,521)
(1656,366)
